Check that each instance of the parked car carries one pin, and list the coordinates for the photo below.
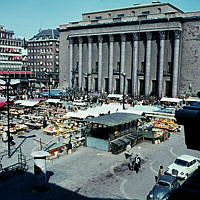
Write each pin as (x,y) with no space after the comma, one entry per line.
(163,188)
(183,166)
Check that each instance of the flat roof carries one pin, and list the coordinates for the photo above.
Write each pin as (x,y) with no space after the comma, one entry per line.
(114,119)
(136,7)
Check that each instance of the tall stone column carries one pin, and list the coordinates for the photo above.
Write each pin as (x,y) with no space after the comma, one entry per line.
(80,67)
(89,62)
(122,61)
(100,42)
(177,35)
(148,63)
(110,72)
(135,63)
(71,62)
(161,63)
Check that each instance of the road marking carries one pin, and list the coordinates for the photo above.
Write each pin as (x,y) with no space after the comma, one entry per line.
(171,151)
(151,168)
(122,190)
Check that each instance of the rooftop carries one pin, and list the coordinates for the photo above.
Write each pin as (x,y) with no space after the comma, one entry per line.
(48,34)
(154,3)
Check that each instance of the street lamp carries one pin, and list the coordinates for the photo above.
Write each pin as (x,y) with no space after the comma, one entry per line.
(8,83)
(87,76)
(24,138)
(124,75)
(49,82)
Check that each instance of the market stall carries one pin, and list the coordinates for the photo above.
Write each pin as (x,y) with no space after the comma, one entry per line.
(113,132)
(158,128)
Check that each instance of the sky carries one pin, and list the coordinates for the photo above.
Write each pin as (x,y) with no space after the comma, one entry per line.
(27,17)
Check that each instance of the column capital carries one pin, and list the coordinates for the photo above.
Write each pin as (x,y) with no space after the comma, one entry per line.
(90,39)
(100,38)
(80,40)
(123,37)
(135,36)
(162,35)
(177,34)
(149,35)
(111,38)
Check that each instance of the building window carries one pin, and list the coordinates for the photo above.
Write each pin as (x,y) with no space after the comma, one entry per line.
(106,84)
(142,85)
(145,13)
(169,68)
(99,17)
(159,10)
(129,86)
(117,86)
(133,13)
(77,65)
(109,15)
(96,66)
(120,15)
(118,66)
(154,88)
(96,84)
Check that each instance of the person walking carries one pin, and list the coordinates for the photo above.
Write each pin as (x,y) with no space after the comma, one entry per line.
(137,163)
(131,162)
(160,173)
(128,151)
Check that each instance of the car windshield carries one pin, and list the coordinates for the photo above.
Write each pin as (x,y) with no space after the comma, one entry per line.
(181,162)
(162,183)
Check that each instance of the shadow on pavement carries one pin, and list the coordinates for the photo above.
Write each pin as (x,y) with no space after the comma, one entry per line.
(20,187)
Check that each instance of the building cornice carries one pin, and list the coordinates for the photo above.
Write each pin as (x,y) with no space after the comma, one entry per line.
(146,21)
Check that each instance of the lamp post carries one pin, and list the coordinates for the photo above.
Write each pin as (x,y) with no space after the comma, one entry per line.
(124,75)
(87,75)
(49,83)
(8,83)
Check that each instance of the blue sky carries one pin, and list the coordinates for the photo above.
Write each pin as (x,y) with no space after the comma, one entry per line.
(26,17)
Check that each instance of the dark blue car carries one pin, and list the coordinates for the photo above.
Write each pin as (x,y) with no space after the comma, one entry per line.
(163,188)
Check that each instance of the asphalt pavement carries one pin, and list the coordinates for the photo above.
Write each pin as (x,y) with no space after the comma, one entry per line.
(94,174)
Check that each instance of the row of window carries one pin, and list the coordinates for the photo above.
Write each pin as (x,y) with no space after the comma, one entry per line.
(42,57)
(10,50)
(10,66)
(131,13)
(41,44)
(41,63)
(41,69)
(10,58)
(11,43)
(42,50)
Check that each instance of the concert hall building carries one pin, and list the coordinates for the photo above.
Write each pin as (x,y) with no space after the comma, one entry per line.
(151,49)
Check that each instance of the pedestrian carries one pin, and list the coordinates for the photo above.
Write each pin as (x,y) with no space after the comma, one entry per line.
(44,122)
(160,173)
(131,162)
(137,162)
(128,153)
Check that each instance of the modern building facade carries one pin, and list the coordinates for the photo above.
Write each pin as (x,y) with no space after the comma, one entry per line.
(12,55)
(43,56)
(145,49)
